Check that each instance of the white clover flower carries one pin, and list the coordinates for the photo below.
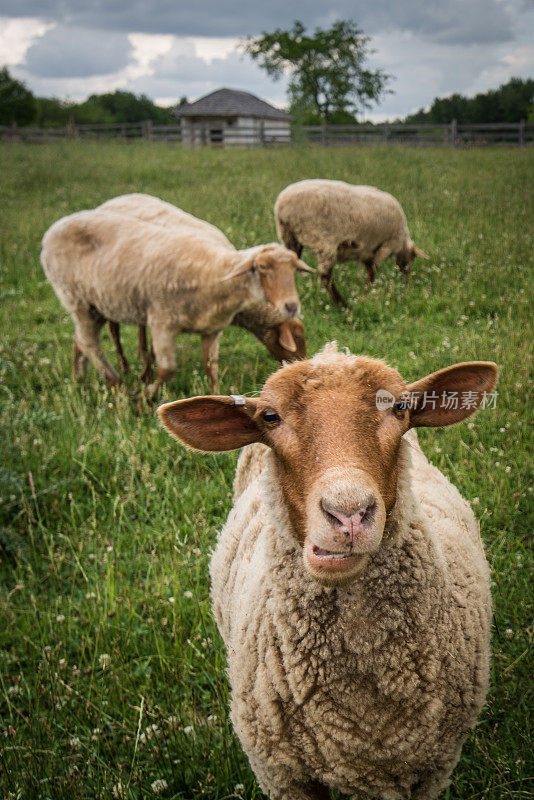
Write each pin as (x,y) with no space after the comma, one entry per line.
(159,785)
(104,660)
(189,730)
(151,732)
(475,501)
(509,633)
(90,596)
(74,741)
(60,618)
(173,722)
(171,600)
(118,791)
(188,594)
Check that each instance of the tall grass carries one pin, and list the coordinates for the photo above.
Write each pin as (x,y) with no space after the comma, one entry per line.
(112,674)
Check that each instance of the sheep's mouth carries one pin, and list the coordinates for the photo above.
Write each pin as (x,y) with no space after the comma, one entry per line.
(333,562)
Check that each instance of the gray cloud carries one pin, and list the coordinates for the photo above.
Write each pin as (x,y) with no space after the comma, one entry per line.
(449,21)
(74,52)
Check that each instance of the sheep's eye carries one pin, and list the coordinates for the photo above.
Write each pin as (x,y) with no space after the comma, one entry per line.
(253,269)
(400,407)
(270,417)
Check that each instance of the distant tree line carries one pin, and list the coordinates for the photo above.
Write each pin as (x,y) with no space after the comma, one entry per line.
(511,102)
(19,106)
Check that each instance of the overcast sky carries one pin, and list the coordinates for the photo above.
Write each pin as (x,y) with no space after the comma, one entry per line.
(170,48)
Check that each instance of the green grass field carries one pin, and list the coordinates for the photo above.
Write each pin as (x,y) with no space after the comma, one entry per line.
(112,670)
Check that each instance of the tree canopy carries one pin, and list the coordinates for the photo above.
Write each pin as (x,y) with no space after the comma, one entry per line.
(17,103)
(511,102)
(326,69)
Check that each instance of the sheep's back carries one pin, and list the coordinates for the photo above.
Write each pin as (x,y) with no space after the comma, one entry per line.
(324,214)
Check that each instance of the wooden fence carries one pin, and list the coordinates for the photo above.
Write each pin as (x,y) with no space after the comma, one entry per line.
(453,134)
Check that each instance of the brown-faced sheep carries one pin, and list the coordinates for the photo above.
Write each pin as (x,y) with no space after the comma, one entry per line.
(284,338)
(349,583)
(108,266)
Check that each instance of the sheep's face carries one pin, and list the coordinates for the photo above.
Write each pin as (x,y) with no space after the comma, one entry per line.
(335,424)
(407,255)
(276,266)
(336,456)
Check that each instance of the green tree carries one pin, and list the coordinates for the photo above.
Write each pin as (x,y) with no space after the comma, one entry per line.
(17,103)
(326,69)
(511,102)
(121,106)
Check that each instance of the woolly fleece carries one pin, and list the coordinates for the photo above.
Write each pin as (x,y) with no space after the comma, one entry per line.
(370,688)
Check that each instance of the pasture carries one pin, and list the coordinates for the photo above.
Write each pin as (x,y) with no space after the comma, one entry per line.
(112,671)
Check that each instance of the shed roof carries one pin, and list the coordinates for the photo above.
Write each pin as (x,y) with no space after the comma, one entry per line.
(231,103)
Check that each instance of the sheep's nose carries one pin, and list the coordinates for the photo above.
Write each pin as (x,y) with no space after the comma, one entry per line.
(348,519)
(292,309)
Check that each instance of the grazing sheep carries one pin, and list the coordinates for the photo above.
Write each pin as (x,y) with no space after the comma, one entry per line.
(108,266)
(283,338)
(349,583)
(342,222)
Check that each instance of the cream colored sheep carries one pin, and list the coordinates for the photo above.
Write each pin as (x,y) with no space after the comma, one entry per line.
(284,338)
(343,222)
(108,266)
(349,582)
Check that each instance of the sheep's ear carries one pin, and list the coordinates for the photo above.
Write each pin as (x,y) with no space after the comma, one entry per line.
(241,268)
(211,424)
(302,267)
(417,253)
(452,394)
(285,337)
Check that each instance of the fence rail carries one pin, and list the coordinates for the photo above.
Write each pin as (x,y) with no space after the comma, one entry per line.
(451,134)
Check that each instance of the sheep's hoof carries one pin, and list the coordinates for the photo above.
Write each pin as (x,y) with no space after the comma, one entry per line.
(151,392)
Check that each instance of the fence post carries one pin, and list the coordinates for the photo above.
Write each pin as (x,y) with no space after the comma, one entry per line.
(454,132)
(386,131)
(146,129)
(70,129)
(324,134)
(521,133)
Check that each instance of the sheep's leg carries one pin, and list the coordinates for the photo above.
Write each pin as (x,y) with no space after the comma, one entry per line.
(210,347)
(80,363)
(114,329)
(371,269)
(146,356)
(163,343)
(88,324)
(326,266)
(371,264)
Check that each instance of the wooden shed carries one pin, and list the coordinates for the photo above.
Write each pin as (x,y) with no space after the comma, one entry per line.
(232,117)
